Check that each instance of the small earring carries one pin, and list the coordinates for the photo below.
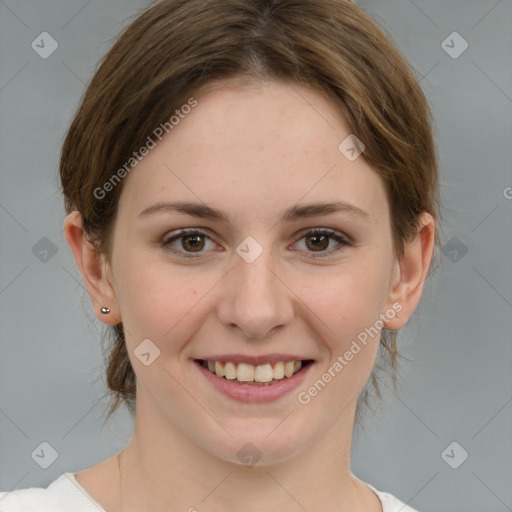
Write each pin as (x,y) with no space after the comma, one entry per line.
(105,311)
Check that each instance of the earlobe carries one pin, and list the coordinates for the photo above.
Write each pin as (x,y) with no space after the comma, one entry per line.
(410,273)
(94,269)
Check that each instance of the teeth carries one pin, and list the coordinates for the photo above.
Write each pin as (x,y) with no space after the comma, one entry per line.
(229,371)
(218,369)
(245,372)
(288,368)
(263,373)
(279,370)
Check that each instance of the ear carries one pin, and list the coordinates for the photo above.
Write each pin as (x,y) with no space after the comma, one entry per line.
(410,272)
(94,268)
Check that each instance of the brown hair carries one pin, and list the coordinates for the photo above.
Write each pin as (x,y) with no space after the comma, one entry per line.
(178,48)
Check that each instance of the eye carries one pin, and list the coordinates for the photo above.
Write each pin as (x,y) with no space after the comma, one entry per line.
(319,239)
(192,241)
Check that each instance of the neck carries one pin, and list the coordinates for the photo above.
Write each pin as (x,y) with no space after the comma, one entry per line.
(163,470)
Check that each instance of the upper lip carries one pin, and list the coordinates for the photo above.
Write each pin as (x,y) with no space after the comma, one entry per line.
(254,360)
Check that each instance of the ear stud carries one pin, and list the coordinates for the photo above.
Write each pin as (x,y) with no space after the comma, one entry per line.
(105,311)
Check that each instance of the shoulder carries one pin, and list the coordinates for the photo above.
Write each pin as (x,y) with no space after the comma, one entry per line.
(390,503)
(62,495)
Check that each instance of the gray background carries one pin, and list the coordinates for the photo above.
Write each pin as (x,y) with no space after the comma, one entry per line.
(458,386)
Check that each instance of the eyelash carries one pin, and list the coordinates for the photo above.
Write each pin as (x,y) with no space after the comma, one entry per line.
(342,240)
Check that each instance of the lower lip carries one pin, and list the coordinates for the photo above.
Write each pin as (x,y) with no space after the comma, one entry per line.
(254,393)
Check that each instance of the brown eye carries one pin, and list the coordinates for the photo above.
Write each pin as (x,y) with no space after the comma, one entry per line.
(318,240)
(187,242)
(193,243)
(315,242)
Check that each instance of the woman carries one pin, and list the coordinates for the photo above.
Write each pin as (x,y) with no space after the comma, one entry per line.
(252,194)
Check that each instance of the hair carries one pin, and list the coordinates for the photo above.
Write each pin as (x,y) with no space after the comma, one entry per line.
(179,48)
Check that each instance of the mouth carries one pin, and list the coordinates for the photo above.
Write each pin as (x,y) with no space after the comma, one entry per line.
(264,374)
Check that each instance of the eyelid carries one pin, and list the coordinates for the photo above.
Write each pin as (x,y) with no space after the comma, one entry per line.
(176,233)
(328,231)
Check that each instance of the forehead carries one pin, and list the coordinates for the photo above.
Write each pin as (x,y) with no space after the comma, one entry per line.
(256,148)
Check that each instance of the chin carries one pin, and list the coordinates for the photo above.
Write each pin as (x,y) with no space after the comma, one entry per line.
(260,444)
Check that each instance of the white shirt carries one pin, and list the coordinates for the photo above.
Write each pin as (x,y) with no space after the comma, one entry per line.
(66,495)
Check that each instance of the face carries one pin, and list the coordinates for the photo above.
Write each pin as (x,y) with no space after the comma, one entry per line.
(258,288)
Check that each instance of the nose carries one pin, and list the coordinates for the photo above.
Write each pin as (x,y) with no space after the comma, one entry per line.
(255,298)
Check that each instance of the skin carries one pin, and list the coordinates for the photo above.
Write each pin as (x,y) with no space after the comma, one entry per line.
(187,434)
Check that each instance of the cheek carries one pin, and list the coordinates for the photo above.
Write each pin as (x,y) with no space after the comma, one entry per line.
(346,310)
(348,301)
(156,299)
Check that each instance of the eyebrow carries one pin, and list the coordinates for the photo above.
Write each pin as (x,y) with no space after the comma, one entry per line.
(296,212)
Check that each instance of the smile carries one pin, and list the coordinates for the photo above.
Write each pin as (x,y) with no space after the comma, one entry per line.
(262,374)
(266,380)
